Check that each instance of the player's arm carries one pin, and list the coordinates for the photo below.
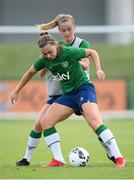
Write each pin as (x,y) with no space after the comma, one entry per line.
(84,63)
(96,60)
(43,72)
(24,80)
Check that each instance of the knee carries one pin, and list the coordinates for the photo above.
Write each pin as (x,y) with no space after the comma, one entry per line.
(46,124)
(38,127)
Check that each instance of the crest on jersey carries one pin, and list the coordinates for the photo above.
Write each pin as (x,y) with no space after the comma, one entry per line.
(64,64)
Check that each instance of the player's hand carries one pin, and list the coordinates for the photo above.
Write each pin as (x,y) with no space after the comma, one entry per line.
(100,74)
(13,97)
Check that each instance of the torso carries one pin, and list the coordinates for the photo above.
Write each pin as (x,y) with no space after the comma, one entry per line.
(54,85)
(66,68)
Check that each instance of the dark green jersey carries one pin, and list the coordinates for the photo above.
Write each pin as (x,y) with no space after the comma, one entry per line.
(81,43)
(66,68)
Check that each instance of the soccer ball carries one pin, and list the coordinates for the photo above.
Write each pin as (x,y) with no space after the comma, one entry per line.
(78,156)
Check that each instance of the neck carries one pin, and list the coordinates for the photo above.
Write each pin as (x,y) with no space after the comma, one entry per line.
(71,41)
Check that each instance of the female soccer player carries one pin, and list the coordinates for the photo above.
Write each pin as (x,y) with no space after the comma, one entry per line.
(66,26)
(79,94)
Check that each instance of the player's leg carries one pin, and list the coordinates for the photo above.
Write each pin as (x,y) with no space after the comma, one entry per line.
(85,94)
(55,114)
(87,101)
(92,115)
(100,140)
(34,138)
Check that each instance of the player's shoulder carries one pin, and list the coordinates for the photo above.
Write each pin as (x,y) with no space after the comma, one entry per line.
(41,60)
(70,48)
(73,51)
(84,44)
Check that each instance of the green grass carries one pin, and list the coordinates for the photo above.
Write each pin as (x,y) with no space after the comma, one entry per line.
(116,60)
(15,59)
(13,140)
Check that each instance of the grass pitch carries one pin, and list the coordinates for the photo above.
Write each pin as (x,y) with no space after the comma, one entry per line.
(13,140)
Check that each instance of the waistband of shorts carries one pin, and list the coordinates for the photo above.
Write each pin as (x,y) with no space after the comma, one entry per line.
(79,88)
(55,96)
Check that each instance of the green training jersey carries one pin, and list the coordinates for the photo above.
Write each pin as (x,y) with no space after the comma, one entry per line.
(66,68)
(81,43)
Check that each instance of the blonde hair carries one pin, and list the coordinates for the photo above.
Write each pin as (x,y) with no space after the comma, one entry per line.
(56,22)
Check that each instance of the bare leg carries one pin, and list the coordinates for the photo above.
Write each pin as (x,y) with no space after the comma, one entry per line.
(55,114)
(92,115)
(33,139)
(35,134)
(37,126)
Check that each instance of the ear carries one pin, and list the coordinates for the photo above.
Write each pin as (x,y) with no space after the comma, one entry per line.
(58,27)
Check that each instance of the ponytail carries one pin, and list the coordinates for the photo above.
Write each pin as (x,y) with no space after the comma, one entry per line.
(56,22)
(48,26)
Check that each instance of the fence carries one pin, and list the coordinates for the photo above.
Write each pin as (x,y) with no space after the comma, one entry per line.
(80,29)
(116,34)
(118,30)
(112,102)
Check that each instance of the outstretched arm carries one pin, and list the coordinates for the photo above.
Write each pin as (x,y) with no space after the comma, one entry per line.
(95,58)
(24,80)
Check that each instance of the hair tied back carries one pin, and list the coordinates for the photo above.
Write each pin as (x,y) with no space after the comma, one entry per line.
(43,33)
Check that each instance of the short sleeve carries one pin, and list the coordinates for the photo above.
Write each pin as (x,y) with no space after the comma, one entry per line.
(84,44)
(38,65)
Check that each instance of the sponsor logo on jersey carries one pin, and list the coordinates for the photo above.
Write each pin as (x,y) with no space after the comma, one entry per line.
(64,64)
(62,77)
